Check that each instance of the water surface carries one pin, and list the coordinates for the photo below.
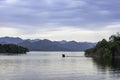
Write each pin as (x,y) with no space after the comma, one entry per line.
(51,66)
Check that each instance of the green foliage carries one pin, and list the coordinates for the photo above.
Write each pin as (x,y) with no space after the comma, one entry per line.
(12,49)
(106,49)
(115,38)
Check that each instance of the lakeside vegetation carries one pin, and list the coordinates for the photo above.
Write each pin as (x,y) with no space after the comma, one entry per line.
(12,49)
(106,49)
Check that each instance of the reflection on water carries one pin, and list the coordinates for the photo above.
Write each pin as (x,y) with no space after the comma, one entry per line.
(108,66)
(51,66)
(113,64)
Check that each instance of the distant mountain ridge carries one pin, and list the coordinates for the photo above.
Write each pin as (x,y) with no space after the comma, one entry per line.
(47,45)
(12,40)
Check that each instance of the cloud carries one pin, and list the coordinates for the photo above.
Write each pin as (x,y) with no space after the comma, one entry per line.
(8,31)
(77,12)
(34,16)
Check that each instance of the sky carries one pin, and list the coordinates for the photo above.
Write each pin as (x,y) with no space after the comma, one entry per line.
(79,20)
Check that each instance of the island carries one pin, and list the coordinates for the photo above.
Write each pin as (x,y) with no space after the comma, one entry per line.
(10,49)
(106,49)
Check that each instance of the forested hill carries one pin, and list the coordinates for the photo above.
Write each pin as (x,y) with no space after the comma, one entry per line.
(12,49)
(106,49)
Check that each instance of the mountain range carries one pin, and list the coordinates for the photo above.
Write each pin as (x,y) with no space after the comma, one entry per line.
(47,45)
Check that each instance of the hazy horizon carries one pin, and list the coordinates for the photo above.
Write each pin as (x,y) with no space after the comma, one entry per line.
(44,39)
(56,20)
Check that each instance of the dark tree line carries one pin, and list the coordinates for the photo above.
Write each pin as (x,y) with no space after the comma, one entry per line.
(12,49)
(106,49)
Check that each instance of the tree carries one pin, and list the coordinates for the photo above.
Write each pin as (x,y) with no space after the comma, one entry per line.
(105,48)
(12,49)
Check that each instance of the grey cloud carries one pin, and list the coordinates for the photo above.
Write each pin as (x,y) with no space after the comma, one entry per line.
(63,12)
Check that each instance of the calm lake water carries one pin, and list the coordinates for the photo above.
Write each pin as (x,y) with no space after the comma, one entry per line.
(51,66)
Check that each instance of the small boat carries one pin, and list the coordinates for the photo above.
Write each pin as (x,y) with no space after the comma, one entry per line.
(63,55)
